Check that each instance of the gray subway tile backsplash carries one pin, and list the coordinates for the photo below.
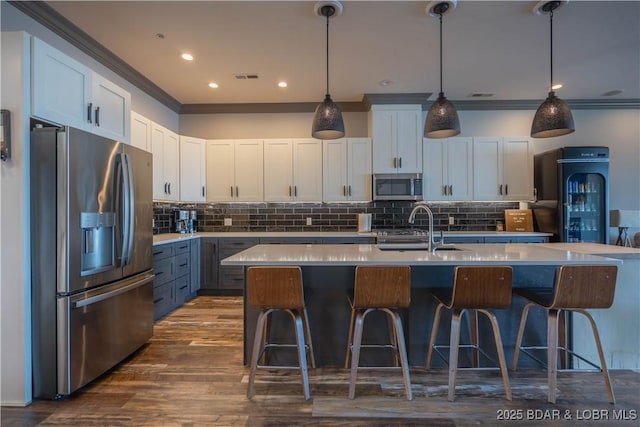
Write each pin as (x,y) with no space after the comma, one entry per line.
(471,216)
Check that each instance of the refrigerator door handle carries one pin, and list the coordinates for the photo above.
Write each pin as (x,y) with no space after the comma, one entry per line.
(95,299)
(132,211)
(126,208)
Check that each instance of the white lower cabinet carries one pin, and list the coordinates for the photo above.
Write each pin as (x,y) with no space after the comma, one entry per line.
(66,92)
(503,168)
(448,169)
(292,170)
(192,169)
(347,167)
(234,170)
(165,149)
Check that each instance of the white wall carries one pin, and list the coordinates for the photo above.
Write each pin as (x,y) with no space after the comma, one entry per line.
(283,125)
(15,268)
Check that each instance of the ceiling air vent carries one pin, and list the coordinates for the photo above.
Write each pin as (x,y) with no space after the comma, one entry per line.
(246,76)
(482,95)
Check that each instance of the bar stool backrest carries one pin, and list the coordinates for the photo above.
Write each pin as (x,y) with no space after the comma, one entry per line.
(382,286)
(482,287)
(275,287)
(585,286)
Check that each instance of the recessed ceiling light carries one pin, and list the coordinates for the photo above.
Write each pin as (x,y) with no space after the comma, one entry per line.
(613,92)
(385,82)
(160,36)
(187,57)
(556,86)
(282,84)
(213,85)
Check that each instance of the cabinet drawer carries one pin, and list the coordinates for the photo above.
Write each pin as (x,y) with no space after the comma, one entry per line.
(162,300)
(181,289)
(183,265)
(182,247)
(164,271)
(162,251)
(231,277)
(235,245)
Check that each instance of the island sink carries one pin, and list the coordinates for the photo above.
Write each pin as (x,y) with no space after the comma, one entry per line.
(399,247)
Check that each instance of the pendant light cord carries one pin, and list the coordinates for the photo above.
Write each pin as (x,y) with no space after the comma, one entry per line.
(551,50)
(327,15)
(440,18)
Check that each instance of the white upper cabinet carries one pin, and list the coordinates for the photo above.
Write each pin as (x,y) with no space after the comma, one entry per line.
(140,131)
(347,170)
(396,132)
(292,170)
(503,168)
(165,149)
(67,93)
(448,169)
(234,170)
(192,169)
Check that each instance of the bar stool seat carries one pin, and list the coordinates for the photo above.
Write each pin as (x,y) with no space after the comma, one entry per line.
(279,288)
(477,290)
(383,288)
(577,288)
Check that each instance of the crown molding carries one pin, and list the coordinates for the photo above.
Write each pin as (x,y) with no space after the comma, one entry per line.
(533,104)
(253,108)
(48,17)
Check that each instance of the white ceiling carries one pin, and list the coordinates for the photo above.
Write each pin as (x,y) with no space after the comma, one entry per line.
(500,47)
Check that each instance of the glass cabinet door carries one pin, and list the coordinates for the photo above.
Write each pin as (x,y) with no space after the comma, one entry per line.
(585,208)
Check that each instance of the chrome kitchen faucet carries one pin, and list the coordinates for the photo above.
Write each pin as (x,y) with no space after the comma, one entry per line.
(412,216)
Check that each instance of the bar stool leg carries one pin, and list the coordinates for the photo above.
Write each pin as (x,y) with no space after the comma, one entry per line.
(434,335)
(302,353)
(402,350)
(392,339)
(552,354)
(307,330)
(603,363)
(257,349)
(501,360)
(355,356)
(475,340)
(516,350)
(347,357)
(454,342)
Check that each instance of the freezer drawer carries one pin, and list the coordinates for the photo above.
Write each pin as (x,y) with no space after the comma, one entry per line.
(98,329)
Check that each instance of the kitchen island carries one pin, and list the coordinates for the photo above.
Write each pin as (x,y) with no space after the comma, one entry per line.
(328,275)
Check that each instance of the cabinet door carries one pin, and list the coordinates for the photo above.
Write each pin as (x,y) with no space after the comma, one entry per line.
(359,183)
(209,263)
(334,166)
(460,168)
(487,171)
(383,125)
(61,87)
(140,131)
(194,275)
(435,184)
(157,148)
(170,165)
(518,169)
(278,170)
(409,141)
(249,171)
(307,170)
(220,170)
(111,109)
(192,169)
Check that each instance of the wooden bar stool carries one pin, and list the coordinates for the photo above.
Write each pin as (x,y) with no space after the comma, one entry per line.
(279,288)
(577,288)
(384,288)
(476,289)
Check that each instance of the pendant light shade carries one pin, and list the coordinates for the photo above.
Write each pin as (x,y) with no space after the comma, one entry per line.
(553,117)
(442,118)
(327,121)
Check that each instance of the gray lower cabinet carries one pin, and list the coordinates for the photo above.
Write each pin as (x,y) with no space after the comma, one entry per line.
(209,263)
(194,282)
(355,240)
(496,239)
(173,264)
(231,278)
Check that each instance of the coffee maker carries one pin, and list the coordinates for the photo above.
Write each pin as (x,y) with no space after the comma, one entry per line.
(180,221)
(191,223)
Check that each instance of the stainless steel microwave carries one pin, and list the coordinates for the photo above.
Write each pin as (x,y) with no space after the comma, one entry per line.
(400,186)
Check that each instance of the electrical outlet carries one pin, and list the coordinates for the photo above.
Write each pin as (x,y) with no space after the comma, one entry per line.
(309,221)
(452,220)
(228,221)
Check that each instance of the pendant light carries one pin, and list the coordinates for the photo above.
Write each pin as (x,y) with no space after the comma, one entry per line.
(553,117)
(442,118)
(327,121)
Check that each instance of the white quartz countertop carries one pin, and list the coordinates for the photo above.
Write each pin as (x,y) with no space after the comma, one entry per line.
(596,249)
(469,254)
(159,239)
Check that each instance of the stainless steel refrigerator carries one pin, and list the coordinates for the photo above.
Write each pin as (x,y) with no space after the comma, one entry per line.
(91,230)
(572,185)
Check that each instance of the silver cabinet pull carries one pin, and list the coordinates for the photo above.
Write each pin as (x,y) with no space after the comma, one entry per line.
(89,108)
(349,191)
(506,189)
(344,190)
(451,190)
(444,190)
(500,191)
(203,191)
(237,192)
(231,191)
(169,187)
(295,191)
(400,162)
(289,191)
(395,162)
(97,115)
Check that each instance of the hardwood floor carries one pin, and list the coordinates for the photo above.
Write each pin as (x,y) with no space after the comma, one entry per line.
(191,374)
